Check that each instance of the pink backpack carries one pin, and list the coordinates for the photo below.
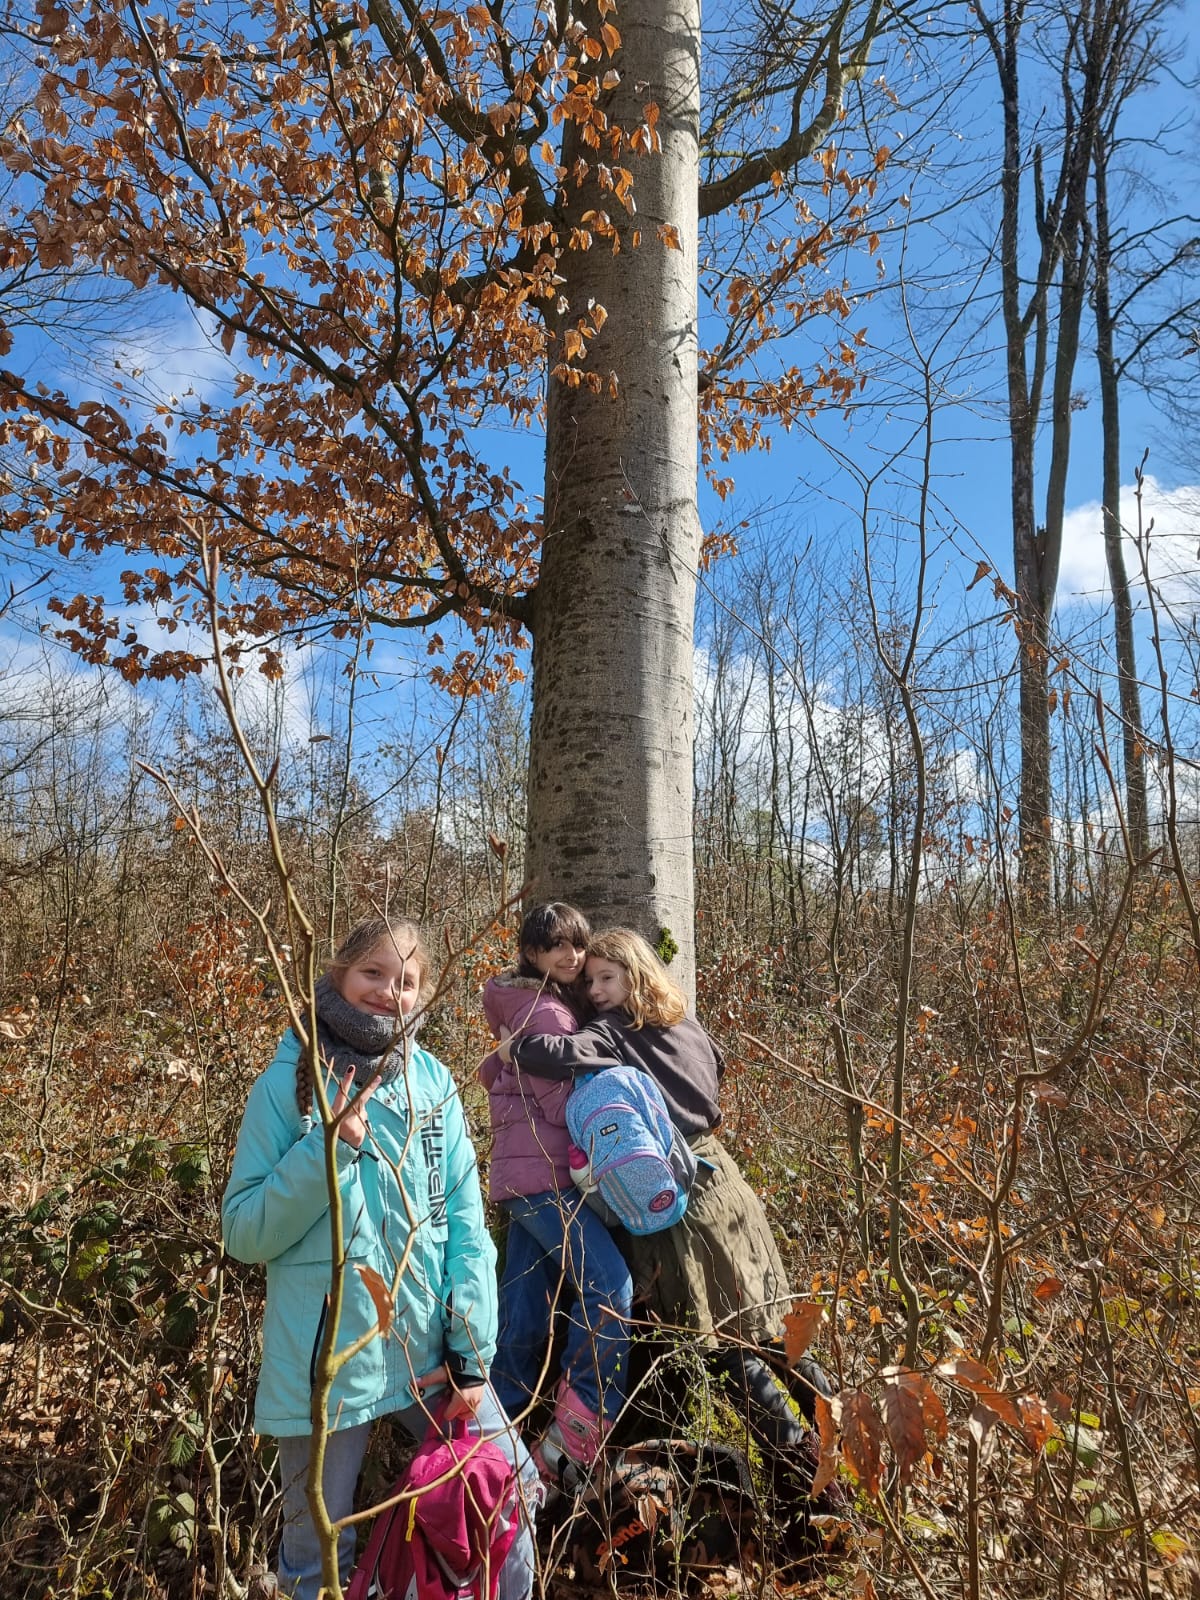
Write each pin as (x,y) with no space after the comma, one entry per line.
(449,1537)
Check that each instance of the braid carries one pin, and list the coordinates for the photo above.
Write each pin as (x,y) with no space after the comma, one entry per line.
(304,1082)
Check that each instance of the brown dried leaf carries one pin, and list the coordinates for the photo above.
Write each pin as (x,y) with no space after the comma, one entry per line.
(1061,1405)
(932,1409)
(1005,1407)
(981,571)
(649,1509)
(933,1412)
(973,1375)
(862,1438)
(968,1372)
(981,1425)
(904,1417)
(381,1295)
(827,1429)
(1048,1289)
(799,1327)
(1036,1422)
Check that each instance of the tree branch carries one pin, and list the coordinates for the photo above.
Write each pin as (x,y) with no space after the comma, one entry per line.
(802,140)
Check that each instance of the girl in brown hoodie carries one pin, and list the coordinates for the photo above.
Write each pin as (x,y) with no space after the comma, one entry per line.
(717,1272)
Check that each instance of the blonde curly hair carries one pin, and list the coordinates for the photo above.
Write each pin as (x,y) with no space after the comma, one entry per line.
(654,996)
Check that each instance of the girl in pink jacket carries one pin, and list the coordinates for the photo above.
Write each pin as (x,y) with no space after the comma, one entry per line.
(559,1253)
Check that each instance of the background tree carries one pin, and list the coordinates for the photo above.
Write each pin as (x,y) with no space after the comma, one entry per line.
(1043,295)
(1058,259)
(1133,265)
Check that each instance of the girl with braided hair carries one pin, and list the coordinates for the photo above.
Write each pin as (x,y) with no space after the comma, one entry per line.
(412,1214)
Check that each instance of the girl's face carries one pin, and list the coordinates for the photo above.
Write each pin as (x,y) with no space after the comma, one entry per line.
(563,962)
(607,983)
(384,983)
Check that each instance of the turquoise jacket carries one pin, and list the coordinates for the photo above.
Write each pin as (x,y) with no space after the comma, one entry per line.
(410,1199)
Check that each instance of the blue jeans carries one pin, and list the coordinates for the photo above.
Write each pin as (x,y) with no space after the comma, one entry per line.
(299,1565)
(560,1254)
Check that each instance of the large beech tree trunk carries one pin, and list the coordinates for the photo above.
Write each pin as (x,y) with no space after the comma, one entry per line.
(610,779)
(430,239)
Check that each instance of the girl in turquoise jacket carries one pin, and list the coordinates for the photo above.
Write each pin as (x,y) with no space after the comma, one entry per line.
(410,1200)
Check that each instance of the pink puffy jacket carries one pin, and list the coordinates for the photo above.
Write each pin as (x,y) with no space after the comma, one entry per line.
(529,1114)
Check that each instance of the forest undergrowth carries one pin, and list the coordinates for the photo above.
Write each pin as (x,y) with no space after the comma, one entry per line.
(1002,1282)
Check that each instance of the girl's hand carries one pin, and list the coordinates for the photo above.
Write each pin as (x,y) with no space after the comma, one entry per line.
(353,1127)
(504,1048)
(465,1402)
(461,1401)
(431,1380)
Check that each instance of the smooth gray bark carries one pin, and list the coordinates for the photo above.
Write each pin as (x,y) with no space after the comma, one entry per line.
(610,776)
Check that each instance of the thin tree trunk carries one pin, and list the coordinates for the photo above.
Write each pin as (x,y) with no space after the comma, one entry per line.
(1032,616)
(1060,218)
(1132,726)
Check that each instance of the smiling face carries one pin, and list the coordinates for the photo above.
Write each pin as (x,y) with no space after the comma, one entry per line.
(384,983)
(607,983)
(562,963)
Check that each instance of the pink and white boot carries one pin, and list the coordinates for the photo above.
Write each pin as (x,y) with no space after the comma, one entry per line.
(570,1446)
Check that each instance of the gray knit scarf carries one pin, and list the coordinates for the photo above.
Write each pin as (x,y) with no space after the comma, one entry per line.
(373,1046)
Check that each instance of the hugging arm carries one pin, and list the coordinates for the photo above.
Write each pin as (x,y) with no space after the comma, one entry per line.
(566,1055)
(718,1055)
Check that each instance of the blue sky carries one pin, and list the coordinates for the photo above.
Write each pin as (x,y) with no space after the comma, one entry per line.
(810,480)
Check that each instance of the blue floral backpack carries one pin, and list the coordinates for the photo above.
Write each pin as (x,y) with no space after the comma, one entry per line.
(629,1160)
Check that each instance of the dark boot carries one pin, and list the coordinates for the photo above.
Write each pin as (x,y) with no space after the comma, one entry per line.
(769,1416)
(805,1379)
(790,1449)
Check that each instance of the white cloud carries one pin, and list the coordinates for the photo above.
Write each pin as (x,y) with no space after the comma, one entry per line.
(53,698)
(46,683)
(275,713)
(161,362)
(1173,519)
(850,743)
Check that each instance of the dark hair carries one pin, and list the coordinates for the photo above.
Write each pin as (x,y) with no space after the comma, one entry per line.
(544,926)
